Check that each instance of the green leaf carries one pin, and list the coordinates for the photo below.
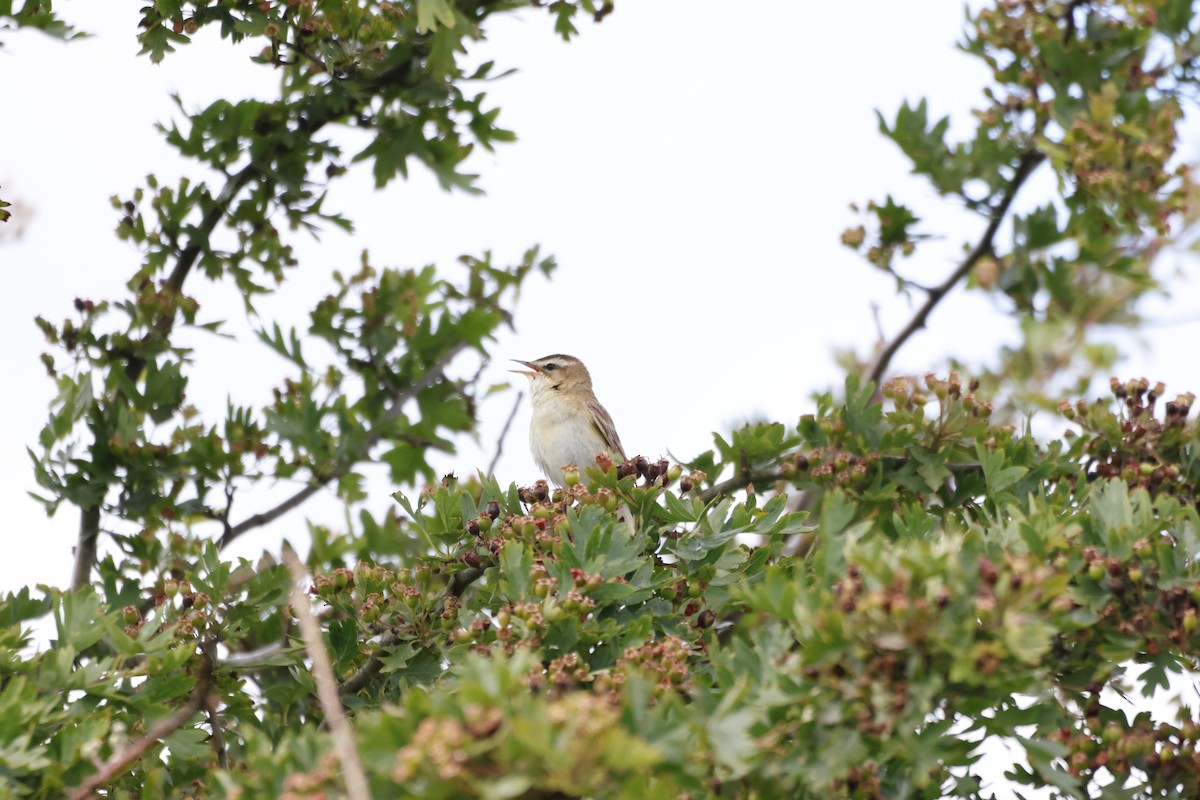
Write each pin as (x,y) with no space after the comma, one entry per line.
(343,642)
(432,13)
(516,565)
(1027,637)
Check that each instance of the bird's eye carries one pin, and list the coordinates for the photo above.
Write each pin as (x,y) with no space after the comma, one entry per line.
(550,367)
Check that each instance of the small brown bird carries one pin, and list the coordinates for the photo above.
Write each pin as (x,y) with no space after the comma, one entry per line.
(568,425)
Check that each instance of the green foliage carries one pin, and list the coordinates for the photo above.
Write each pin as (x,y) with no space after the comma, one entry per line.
(960,580)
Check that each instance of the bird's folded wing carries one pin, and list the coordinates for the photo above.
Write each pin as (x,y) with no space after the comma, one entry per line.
(606,428)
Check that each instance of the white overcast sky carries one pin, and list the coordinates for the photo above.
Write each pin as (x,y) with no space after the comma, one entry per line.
(690,164)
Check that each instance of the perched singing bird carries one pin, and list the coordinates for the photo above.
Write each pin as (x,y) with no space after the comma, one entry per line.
(568,425)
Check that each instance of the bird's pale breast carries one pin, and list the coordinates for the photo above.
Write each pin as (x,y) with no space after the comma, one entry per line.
(560,435)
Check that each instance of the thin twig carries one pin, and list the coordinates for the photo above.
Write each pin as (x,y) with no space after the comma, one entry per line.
(1027,164)
(121,761)
(400,397)
(504,434)
(327,691)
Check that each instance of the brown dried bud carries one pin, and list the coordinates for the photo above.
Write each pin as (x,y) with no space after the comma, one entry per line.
(988,571)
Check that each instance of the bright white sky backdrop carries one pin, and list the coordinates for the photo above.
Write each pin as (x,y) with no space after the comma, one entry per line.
(689,162)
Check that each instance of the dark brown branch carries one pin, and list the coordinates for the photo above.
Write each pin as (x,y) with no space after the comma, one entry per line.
(327,688)
(462,580)
(85,549)
(741,480)
(363,675)
(504,434)
(1027,164)
(218,734)
(121,761)
(272,514)
(400,396)
(210,703)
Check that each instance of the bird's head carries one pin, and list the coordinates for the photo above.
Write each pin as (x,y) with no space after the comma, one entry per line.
(556,373)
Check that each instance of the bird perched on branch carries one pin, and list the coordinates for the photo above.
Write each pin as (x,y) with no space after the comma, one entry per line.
(568,425)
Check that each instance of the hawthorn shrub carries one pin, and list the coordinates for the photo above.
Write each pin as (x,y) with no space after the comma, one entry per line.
(952,579)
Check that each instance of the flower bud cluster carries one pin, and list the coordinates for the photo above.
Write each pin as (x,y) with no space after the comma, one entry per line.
(1167,754)
(664,660)
(1134,444)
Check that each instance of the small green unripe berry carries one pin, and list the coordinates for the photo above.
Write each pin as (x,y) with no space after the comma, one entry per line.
(571,476)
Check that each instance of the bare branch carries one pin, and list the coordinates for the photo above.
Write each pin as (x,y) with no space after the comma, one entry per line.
(504,434)
(327,689)
(218,734)
(1027,164)
(85,548)
(121,761)
(249,660)
(400,396)
(272,514)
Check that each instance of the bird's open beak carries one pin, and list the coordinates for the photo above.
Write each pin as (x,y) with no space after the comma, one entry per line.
(531,372)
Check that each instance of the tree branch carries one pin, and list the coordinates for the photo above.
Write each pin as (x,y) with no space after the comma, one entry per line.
(369,670)
(504,434)
(121,761)
(272,514)
(400,397)
(1027,164)
(248,660)
(327,688)
(741,480)
(85,548)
